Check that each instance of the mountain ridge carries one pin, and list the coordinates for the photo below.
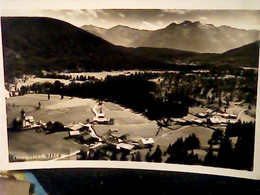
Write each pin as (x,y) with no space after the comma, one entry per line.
(33,44)
(188,36)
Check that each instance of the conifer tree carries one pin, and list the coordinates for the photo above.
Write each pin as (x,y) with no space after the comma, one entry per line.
(138,156)
(114,156)
(157,155)
(148,157)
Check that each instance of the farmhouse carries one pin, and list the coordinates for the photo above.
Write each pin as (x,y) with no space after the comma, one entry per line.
(146,142)
(125,147)
(88,139)
(13,90)
(76,129)
(113,141)
(74,133)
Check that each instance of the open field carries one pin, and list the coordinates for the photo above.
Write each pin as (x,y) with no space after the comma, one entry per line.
(66,111)
(32,143)
(70,110)
(104,74)
(31,80)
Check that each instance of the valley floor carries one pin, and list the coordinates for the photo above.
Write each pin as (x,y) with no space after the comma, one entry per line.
(67,111)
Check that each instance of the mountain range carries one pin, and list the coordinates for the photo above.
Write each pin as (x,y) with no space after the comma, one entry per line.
(33,44)
(189,36)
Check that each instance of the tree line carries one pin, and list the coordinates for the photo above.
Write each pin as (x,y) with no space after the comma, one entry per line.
(135,92)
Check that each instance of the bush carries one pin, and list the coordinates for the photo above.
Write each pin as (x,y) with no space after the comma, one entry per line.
(54,127)
(17,123)
(58,126)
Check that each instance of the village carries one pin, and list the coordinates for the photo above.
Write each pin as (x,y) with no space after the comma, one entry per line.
(110,139)
(72,128)
(85,134)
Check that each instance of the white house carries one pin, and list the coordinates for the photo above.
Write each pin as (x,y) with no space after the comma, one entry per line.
(202,115)
(28,123)
(146,142)
(76,128)
(13,90)
(125,146)
(74,133)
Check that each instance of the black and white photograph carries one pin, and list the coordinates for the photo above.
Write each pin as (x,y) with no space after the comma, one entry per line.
(165,86)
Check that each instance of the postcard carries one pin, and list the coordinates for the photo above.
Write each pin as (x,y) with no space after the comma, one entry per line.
(161,89)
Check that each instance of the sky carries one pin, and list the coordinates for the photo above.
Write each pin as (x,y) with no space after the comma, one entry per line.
(149,19)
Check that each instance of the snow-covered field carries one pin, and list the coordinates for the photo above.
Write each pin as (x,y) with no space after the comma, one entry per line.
(69,110)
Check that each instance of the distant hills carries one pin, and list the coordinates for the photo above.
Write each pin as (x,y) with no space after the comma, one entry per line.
(32,44)
(247,55)
(189,36)
(120,35)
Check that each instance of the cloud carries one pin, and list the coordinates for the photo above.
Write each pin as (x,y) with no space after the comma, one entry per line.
(160,23)
(145,19)
(174,11)
(92,13)
(121,15)
(161,15)
(148,25)
(203,18)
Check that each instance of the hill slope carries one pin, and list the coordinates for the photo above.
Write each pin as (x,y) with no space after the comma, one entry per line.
(245,55)
(31,44)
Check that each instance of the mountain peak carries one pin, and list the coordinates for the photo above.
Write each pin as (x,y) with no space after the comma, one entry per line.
(186,23)
(171,25)
(91,26)
(119,26)
(189,23)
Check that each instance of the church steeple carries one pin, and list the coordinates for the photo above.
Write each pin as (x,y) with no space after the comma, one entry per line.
(22,114)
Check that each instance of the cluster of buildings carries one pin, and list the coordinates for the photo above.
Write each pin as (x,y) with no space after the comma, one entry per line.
(29,123)
(126,143)
(209,117)
(13,90)
(84,133)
